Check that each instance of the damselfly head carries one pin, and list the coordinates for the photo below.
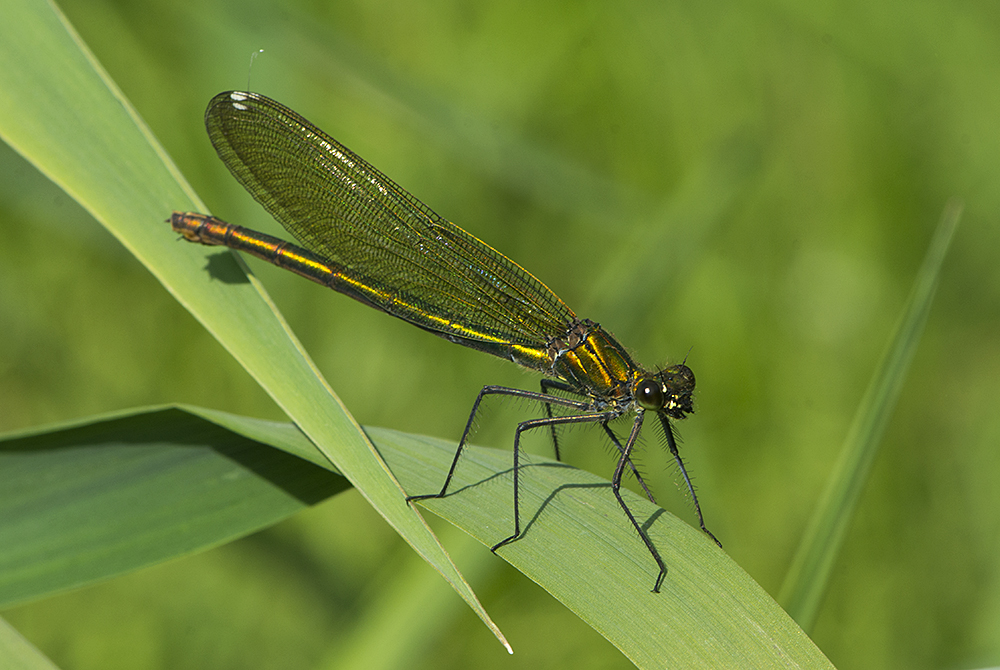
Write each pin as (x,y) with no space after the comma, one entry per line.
(668,391)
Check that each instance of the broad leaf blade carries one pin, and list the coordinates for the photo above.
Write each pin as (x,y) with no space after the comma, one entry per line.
(577,543)
(579,546)
(91,500)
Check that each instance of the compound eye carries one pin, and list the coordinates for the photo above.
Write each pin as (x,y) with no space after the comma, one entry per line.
(649,395)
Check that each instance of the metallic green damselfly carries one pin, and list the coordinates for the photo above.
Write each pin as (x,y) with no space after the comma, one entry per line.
(366,237)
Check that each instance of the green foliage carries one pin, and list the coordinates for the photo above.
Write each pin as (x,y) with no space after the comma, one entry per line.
(100,499)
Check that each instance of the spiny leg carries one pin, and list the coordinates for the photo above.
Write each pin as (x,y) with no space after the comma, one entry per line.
(668,430)
(548,384)
(616,483)
(528,425)
(635,471)
(494,390)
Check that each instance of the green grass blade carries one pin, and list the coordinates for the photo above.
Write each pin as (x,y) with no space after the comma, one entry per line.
(578,546)
(809,575)
(577,543)
(16,653)
(61,111)
(92,500)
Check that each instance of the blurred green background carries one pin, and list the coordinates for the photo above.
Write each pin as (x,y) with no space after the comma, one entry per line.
(751,185)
